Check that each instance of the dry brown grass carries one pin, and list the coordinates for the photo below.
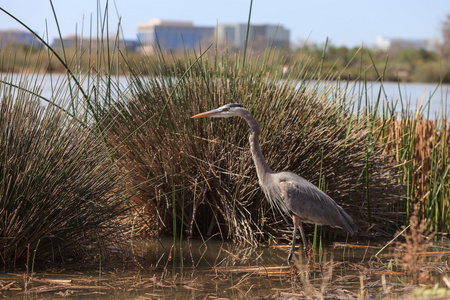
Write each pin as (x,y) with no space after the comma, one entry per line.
(411,253)
(420,148)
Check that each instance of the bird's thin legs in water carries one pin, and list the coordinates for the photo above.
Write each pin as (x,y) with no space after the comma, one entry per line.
(305,243)
(294,237)
(297,223)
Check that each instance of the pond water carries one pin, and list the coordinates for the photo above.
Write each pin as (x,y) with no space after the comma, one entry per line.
(155,269)
(412,94)
(437,96)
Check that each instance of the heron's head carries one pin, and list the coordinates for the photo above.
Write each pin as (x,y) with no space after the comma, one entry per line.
(226,111)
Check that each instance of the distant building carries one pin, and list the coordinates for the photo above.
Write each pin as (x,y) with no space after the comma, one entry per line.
(72,41)
(17,37)
(260,36)
(131,45)
(172,35)
(276,35)
(233,34)
(386,44)
(69,41)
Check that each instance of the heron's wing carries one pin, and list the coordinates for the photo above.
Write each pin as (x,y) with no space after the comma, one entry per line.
(311,204)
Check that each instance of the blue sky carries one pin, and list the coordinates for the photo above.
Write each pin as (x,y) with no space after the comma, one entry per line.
(347,22)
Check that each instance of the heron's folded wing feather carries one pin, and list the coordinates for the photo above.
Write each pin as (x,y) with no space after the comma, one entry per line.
(312,205)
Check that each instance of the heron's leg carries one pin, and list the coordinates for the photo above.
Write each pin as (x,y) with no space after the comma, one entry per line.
(305,243)
(297,223)
(294,237)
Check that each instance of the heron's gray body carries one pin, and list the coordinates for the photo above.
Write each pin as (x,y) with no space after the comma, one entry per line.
(286,191)
(306,201)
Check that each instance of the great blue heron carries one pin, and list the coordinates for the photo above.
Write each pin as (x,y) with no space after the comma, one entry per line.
(288,192)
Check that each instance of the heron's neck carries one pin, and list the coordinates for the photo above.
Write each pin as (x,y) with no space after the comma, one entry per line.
(262,168)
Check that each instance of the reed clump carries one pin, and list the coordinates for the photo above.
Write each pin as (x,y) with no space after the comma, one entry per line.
(59,192)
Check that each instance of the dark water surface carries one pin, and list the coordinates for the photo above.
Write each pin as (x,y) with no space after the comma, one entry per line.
(156,269)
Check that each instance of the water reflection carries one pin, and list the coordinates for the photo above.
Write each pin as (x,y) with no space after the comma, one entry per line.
(196,254)
(195,269)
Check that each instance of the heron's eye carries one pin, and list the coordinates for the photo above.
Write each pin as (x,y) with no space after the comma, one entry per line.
(225,109)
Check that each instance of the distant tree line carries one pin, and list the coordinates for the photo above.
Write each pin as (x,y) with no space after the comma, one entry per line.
(407,64)
(403,64)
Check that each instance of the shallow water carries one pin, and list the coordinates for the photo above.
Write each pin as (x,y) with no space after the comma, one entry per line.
(214,269)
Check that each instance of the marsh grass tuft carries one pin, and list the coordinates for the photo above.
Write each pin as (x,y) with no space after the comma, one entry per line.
(58,189)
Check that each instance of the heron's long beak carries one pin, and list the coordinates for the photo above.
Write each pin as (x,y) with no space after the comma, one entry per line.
(211,113)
